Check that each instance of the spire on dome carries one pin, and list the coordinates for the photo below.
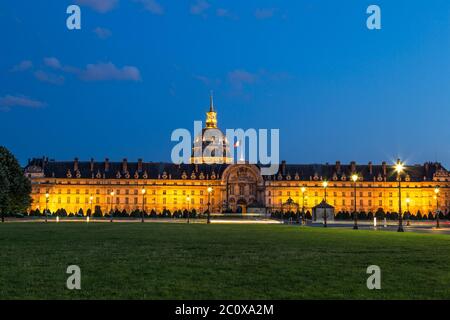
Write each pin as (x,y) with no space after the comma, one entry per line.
(211,102)
(211,115)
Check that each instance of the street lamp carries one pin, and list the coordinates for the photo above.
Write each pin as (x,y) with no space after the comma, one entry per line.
(143,204)
(303,205)
(325,185)
(188,200)
(436,196)
(210,189)
(355,215)
(408,201)
(47,196)
(91,198)
(111,212)
(399,168)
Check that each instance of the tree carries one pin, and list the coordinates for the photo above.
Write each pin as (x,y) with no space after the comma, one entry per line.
(15,188)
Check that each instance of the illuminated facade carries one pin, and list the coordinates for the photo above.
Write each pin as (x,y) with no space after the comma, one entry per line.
(75,185)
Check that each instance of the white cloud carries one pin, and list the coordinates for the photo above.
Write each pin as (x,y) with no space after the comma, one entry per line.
(101,6)
(102,33)
(49,77)
(52,62)
(152,5)
(108,71)
(199,7)
(265,13)
(9,101)
(238,78)
(222,12)
(22,66)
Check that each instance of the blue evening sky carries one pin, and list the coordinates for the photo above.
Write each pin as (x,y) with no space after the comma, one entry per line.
(138,69)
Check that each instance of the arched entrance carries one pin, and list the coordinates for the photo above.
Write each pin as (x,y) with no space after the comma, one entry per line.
(241,206)
(243,186)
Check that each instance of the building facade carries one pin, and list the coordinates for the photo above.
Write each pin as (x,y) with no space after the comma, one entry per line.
(106,185)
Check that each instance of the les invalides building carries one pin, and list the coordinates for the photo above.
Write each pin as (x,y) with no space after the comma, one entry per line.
(107,185)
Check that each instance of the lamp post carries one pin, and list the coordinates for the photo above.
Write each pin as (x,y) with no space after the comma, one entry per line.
(399,168)
(143,204)
(188,200)
(303,205)
(112,212)
(355,215)
(47,196)
(325,185)
(436,196)
(408,201)
(91,198)
(210,189)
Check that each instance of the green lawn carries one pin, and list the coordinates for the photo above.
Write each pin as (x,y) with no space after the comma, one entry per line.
(199,261)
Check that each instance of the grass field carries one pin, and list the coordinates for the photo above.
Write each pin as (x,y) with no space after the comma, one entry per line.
(199,261)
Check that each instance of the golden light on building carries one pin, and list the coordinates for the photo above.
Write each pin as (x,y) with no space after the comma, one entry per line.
(159,186)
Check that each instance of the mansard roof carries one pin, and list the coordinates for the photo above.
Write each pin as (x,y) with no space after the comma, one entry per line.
(127,170)
(369,172)
(286,172)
